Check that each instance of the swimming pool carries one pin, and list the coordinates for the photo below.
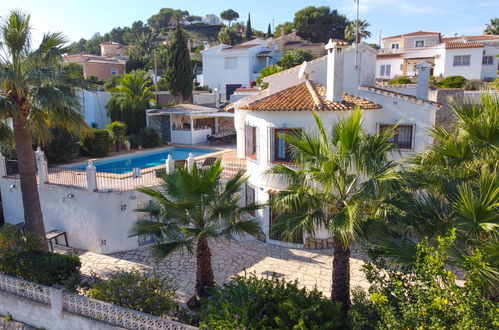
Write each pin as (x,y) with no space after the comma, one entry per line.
(126,164)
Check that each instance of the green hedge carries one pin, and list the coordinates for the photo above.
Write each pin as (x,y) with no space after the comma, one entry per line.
(401,81)
(146,138)
(62,148)
(96,142)
(452,82)
(254,303)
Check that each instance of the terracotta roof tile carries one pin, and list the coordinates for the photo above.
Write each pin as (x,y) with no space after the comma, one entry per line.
(307,96)
(405,96)
(472,38)
(463,44)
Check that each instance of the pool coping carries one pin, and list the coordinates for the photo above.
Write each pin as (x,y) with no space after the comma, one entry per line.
(144,151)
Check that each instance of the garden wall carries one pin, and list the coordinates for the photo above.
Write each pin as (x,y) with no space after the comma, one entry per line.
(51,308)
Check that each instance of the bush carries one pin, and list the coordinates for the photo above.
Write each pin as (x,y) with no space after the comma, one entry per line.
(254,303)
(118,132)
(295,57)
(268,71)
(473,85)
(452,82)
(425,296)
(63,147)
(495,83)
(153,295)
(96,142)
(401,81)
(146,138)
(19,257)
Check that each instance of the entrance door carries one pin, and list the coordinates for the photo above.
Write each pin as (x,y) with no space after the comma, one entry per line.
(230,89)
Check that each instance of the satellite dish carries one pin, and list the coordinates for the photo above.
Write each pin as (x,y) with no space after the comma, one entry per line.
(303,67)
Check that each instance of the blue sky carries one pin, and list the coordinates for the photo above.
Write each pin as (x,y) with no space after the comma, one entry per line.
(82,18)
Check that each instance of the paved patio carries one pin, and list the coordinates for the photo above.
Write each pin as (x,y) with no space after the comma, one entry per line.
(310,267)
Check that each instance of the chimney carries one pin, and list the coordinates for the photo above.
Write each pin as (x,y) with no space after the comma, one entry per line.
(423,84)
(334,91)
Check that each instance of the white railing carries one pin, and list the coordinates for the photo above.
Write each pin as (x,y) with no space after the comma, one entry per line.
(84,307)
(117,315)
(26,289)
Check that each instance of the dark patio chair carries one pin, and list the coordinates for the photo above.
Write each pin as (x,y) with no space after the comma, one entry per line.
(209,161)
(181,163)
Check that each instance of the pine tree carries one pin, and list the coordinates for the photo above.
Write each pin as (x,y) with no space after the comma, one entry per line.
(249,30)
(179,75)
(269,32)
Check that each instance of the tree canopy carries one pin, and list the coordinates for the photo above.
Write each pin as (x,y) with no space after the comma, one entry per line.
(179,74)
(295,57)
(249,30)
(229,15)
(165,18)
(351,30)
(493,27)
(319,24)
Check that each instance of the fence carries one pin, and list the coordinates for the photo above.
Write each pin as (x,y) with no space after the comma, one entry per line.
(71,310)
(12,167)
(71,177)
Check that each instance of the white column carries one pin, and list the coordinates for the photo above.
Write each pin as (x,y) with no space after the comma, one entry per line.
(56,300)
(3,166)
(91,177)
(192,129)
(170,165)
(190,162)
(42,166)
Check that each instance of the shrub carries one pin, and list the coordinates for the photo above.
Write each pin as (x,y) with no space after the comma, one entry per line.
(63,147)
(96,142)
(254,303)
(118,133)
(401,81)
(452,82)
(146,138)
(153,295)
(295,57)
(473,85)
(426,296)
(495,83)
(268,71)
(19,257)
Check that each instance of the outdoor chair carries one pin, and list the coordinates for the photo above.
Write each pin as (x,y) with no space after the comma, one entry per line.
(181,163)
(208,162)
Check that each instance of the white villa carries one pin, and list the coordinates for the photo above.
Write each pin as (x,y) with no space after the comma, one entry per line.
(473,57)
(227,68)
(332,85)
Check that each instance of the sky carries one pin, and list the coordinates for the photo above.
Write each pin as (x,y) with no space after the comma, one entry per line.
(82,18)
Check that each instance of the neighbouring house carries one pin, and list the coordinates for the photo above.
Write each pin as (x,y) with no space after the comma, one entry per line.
(227,68)
(332,85)
(473,57)
(211,19)
(189,123)
(103,66)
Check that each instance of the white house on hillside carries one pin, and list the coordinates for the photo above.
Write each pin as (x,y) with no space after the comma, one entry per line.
(473,57)
(230,67)
(332,85)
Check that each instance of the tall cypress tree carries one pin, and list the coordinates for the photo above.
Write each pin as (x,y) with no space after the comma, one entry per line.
(249,30)
(269,32)
(179,75)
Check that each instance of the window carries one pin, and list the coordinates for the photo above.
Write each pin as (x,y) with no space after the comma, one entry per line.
(384,70)
(251,136)
(250,197)
(488,60)
(273,214)
(114,71)
(395,46)
(403,136)
(419,43)
(461,60)
(282,151)
(230,63)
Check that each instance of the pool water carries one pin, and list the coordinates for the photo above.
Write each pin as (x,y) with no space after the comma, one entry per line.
(126,164)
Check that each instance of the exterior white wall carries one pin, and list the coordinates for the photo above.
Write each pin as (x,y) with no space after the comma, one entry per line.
(489,71)
(472,71)
(190,137)
(94,221)
(395,70)
(94,107)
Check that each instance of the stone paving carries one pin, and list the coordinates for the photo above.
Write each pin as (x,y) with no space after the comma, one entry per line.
(310,267)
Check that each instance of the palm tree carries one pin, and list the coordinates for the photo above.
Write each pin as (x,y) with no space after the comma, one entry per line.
(130,98)
(453,185)
(340,184)
(351,30)
(226,36)
(493,27)
(192,207)
(36,91)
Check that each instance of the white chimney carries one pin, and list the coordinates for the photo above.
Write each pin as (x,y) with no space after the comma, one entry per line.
(334,91)
(423,84)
